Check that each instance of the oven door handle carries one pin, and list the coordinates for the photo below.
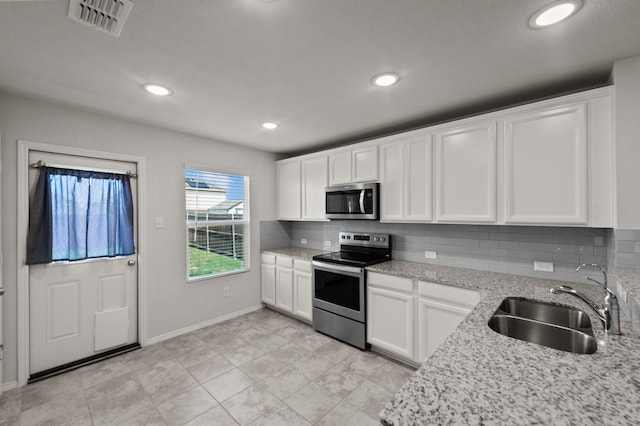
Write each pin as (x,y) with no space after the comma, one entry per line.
(337,268)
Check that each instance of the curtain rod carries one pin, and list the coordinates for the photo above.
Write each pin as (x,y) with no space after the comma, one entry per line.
(41,163)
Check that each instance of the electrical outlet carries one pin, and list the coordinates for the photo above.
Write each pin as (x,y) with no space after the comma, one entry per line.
(327,243)
(543,266)
(226,292)
(303,241)
(430,254)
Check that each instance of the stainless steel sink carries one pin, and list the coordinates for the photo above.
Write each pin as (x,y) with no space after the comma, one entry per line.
(562,315)
(553,325)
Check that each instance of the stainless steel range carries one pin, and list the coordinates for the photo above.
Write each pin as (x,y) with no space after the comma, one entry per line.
(340,287)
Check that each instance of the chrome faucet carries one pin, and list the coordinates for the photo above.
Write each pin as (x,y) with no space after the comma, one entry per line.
(609,313)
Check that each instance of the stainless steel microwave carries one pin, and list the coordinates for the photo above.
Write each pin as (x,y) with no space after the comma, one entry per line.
(357,201)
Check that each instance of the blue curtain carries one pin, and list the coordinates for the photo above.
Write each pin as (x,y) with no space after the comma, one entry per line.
(78,214)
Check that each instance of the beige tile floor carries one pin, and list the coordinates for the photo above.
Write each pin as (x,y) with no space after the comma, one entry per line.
(262,368)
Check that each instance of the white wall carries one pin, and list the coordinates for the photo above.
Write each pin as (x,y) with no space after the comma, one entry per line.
(172,303)
(626,77)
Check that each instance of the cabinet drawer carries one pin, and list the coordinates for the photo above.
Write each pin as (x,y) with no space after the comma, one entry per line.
(390,282)
(284,262)
(302,265)
(455,295)
(269,259)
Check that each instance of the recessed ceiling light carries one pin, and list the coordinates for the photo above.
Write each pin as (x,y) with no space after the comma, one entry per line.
(554,13)
(269,125)
(157,89)
(385,79)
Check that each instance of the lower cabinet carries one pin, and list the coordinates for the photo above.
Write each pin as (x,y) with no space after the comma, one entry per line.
(440,309)
(410,319)
(302,289)
(390,304)
(268,279)
(287,285)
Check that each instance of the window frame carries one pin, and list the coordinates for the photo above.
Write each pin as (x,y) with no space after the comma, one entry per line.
(245,222)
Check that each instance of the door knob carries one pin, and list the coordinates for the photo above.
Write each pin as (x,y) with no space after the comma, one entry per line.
(131,262)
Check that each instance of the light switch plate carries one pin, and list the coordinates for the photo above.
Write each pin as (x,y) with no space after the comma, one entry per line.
(430,254)
(303,241)
(543,266)
(159,222)
(327,243)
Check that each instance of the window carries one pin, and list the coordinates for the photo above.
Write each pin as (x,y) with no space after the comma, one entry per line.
(217,217)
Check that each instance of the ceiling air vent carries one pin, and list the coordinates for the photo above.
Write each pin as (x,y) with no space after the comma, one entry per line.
(108,16)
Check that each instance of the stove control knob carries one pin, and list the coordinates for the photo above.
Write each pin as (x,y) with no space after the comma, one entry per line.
(382,239)
(376,239)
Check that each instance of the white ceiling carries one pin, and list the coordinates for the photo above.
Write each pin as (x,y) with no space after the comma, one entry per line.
(307,64)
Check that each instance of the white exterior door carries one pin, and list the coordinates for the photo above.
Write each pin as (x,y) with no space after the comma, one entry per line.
(82,308)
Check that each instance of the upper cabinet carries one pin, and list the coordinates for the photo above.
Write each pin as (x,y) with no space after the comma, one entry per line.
(289,190)
(545,166)
(314,180)
(300,189)
(466,173)
(544,163)
(356,164)
(406,177)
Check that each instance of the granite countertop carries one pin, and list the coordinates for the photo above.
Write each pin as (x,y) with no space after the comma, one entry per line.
(295,252)
(479,376)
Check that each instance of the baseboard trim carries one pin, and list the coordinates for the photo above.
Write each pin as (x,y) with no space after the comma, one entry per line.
(194,327)
(9,386)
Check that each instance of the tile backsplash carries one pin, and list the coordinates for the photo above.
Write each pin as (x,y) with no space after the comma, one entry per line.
(509,249)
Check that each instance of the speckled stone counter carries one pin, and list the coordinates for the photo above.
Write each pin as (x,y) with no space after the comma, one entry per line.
(478,376)
(295,252)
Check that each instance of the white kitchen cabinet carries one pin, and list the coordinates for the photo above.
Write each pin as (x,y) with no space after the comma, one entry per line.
(358,164)
(268,279)
(406,178)
(466,173)
(284,283)
(545,158)
(289,190)
(441,309)
(390,314)
(300,188)
(302,289)
(545,163)
(314,181)
(287,285)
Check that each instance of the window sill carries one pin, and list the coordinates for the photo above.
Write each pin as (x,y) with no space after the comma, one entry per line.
(213,276)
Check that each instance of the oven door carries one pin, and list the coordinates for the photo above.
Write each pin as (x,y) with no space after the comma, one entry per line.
(339,289)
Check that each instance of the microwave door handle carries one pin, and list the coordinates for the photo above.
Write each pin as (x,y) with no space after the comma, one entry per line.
(362,201)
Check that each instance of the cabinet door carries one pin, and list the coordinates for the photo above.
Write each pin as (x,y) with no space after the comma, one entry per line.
(546,166)
(284,289)
(269,284)
(289,190)
(340,168)
(365,164)
(436,321)
(466,174)
(314,180)
(418,179)
(392,181)
(302,292)
(390,321)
